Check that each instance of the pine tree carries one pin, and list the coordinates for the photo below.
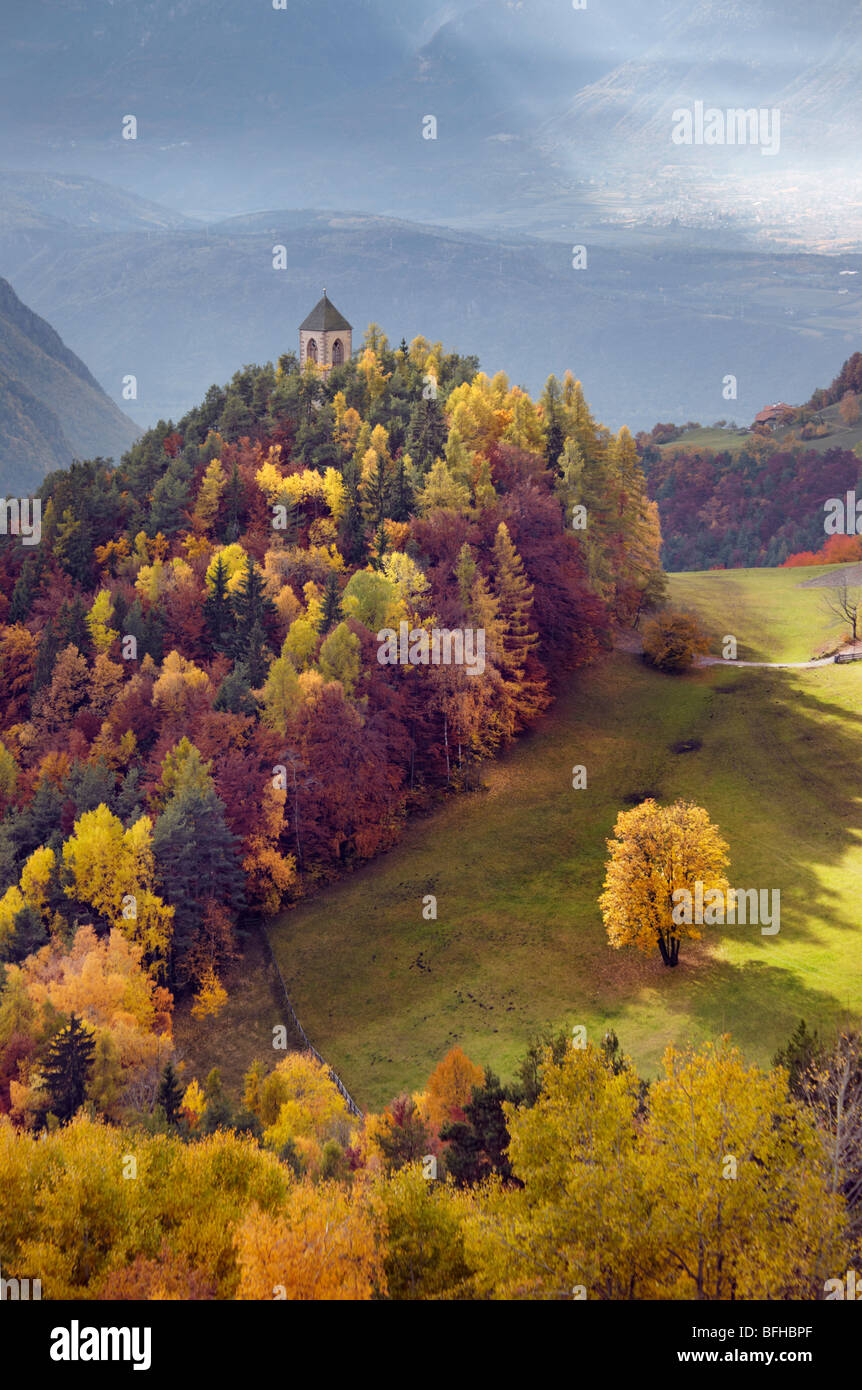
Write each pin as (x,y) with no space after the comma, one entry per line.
(234,693)
(379,548)
(42,816)
(194,850)
(426,434)
(147,629)
(403,500)
(465,573)
(253,611)
(67,1067)
(25,590)
(257,655)
(170,500)
(72,625)
(233,507)
(170,1094)
(218,613)
(332,613)
(218,1111)
(351,538)
(555,435)
(476,1146)
(49,648)
(28,934)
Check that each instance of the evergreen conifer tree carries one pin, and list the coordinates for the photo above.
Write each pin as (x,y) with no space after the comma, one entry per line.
(67,1067)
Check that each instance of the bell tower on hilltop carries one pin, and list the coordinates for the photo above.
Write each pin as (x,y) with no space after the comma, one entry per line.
(325,337)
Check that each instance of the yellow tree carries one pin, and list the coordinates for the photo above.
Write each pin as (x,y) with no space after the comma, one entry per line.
(321,1246)
(658,851)
(194,1102)
(210,998)
(737,1183)
(99,621)
(578,1221)
(302,1106)
(212,486)
(281,696)
(450,1086)
(179,684)
(113,870)
(442,490)
(182,768)
(36,877)
(671,641)
(269,873)
(106,682)
(420,1234)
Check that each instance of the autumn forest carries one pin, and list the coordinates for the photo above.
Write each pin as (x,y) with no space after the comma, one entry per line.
(198,734)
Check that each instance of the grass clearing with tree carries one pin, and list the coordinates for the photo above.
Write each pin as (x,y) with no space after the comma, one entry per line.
(517,870)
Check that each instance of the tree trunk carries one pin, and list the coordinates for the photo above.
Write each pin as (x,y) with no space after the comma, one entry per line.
(669,949)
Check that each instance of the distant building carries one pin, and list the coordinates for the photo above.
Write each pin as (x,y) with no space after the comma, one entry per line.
(775,415)
(325,337)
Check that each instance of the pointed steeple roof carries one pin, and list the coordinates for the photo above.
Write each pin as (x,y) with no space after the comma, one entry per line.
(324,318)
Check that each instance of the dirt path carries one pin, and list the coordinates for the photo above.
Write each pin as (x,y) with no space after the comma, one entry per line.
(629,641)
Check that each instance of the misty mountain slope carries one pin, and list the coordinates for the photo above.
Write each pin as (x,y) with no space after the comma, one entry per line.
(651,330)
(322,105)
(32,442)
(51,199)
(51,408)
(721,52)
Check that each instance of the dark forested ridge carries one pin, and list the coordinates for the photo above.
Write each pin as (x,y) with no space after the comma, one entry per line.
(761,500)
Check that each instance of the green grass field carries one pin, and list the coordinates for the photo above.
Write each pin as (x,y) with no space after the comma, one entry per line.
(771,617)
(732,441)
(717,441)
(517,868)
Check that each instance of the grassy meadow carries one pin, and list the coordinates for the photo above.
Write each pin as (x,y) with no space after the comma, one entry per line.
(771,617)
(516,869)
(733,441)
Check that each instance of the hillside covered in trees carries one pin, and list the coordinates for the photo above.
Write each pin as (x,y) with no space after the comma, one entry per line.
(760,501)
(195,721)
(197,729)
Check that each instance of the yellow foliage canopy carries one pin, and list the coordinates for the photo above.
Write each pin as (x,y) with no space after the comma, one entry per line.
(655,851)
(322,1247)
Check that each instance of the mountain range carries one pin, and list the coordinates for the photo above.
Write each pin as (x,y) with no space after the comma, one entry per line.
(546,114)
(653,324)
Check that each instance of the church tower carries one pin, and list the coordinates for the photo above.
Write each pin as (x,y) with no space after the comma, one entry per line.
(325,337)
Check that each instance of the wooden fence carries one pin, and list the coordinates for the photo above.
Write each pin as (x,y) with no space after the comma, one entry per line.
(334,1077)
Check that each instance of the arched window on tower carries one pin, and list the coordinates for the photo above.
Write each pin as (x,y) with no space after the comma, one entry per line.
(311,350)
(337,353)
